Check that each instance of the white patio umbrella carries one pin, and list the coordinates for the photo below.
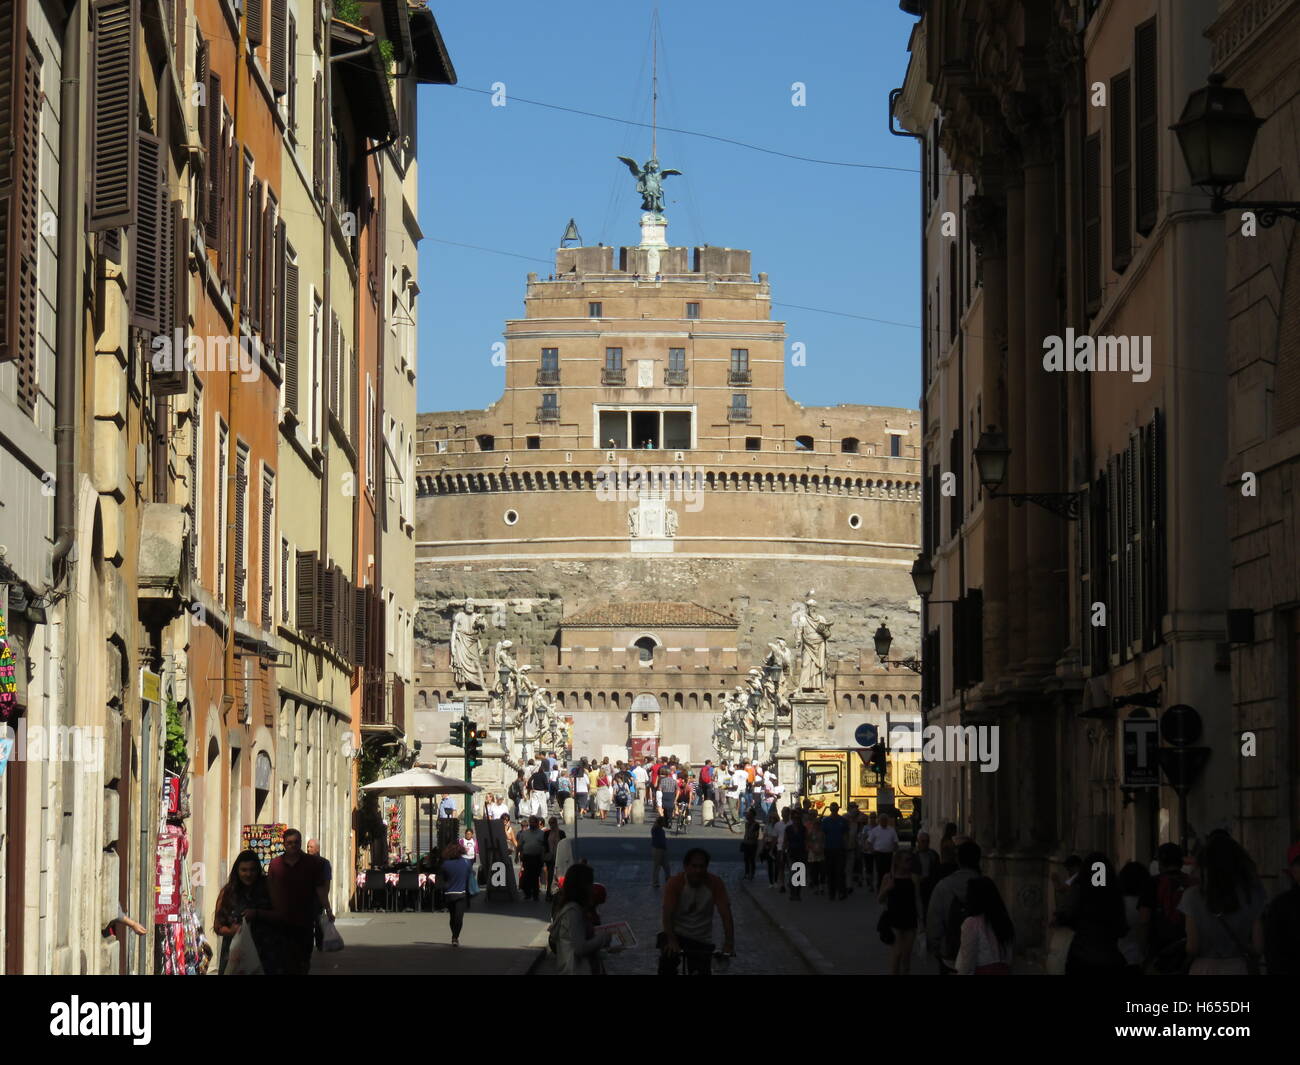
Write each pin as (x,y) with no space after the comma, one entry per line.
(420,781)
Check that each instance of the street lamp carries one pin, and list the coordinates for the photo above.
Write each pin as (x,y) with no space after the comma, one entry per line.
(1216,134)
(991,455)
(883,639)
(755,701)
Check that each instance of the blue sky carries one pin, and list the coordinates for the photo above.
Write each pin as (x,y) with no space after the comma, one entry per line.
(509,178)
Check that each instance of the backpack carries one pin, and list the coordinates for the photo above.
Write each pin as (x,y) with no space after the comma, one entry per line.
(952,927)
(706,775)
(622,795)
(563,784)
(516,790)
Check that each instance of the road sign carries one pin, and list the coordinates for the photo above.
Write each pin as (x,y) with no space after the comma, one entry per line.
(451,708)
(866,735)
(1180,725)
(1141,751)
(1182,765)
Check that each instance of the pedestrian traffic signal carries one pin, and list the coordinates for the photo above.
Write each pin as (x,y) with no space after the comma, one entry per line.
(458,733)
(474,747)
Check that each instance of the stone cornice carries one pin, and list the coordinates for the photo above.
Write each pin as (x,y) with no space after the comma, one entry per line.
(1242,25)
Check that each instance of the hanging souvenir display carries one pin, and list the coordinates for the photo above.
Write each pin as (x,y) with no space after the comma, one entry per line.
(266,841)
(8,671)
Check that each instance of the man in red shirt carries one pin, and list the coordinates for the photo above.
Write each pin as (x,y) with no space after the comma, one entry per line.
(299,891)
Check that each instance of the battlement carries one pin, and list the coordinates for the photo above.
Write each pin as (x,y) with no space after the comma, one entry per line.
(675,264)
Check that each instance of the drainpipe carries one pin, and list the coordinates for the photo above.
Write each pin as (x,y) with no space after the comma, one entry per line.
(67,355)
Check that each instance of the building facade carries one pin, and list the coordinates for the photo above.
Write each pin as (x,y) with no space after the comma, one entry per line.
(1100,603)
(645,454)
(196,579)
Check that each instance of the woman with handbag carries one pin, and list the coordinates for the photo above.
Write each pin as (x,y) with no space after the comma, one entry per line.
(247,890)
(987,934)
(1225,931)
(901,896)
(459,885)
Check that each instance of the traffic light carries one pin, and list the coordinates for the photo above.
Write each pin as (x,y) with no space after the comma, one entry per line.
(878,762)
(474,747)
(458,733)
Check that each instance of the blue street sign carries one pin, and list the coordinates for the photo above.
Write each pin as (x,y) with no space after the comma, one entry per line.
(866,735)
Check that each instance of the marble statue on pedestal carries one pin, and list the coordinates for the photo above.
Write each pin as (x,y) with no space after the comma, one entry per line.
(814,632)
(467,648)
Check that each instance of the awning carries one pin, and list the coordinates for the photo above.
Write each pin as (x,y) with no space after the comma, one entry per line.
(421,782)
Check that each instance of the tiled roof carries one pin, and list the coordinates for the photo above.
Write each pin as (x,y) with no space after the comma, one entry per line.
(649,615)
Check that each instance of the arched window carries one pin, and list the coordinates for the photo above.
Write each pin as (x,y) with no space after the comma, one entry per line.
(803,443)
(646,648)
(849,445)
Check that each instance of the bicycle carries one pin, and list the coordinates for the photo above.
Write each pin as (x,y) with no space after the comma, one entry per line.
(717,961)
(682,818)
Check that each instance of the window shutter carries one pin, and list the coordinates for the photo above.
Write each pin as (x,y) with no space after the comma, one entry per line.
(241,198)
(1115,601)
(202,77)
(114,63)
(231,201)
(255,227)
(195,465)
(1100,563)
(972,648)
(292,86)
(360,625)
(317,26)
(268,518)
(279,47)
(278,294)
(1154,532)
(147,236)
(20,112)
(216,161)
(354,388)
(329,605)
(1086,519)
(291,335)
(286,564)
(266,303)
(241,498)
(1147,144)
(306,593)
(176,381)
(253,15)
(1121,172)
(1092,221)
(318,137)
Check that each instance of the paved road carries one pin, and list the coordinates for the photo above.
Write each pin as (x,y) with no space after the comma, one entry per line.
(621,861)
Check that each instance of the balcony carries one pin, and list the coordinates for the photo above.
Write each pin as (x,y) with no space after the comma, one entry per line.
(613,377)
(548,377)
(548,414)
(738,377)
(738,414)
(383,703)
(676,378)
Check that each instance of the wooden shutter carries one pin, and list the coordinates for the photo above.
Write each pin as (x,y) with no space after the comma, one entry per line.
(1084,560)
(1114,599)
(318,135)
(317,26)
(286,564)
(1092,221)
(279,47)
(1147,139)
(1153,534)
(354,400)
(277,258)
(291,326)
(242,197)
(1121,172)
(20,112)
(253,16)
(268,257)
(256,226)
(202,73)
(241,497)
(971,652)
(176,381)
(329,605)
(195,464)
(114,67)
(216,161)
(292,86)
(147,237)
(306,593)
(268,515)
(1133,485)
(232,201)
(360,624)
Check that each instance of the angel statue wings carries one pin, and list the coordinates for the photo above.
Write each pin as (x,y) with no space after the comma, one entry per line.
(649,182)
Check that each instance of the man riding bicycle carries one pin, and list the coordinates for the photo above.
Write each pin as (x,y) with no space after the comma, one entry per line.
(690,898)
(684,799)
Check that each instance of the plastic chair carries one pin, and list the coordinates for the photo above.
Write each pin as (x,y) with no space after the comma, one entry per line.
(408,883)
(375,882)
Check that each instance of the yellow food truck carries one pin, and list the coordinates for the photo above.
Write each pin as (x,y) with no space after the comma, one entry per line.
(845,776)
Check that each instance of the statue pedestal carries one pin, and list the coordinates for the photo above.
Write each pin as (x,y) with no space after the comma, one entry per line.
(809,729)
(654,228)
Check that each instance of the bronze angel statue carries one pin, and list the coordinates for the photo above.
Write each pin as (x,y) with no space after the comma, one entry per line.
(649,182)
